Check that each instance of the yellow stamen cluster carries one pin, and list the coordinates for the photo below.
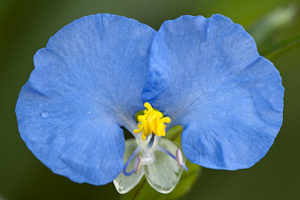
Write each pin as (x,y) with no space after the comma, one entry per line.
(151,122)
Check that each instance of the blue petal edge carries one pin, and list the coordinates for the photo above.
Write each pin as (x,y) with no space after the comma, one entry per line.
(207,76)
(86,84)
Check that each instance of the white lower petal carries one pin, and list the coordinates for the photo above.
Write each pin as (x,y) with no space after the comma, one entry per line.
(164,174)
(123,183)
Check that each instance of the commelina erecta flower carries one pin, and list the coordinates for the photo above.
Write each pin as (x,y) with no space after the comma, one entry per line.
(96,73)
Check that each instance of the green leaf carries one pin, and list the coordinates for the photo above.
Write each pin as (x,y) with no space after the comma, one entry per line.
(174,134)
(272,22)
(277,49)
(144,191)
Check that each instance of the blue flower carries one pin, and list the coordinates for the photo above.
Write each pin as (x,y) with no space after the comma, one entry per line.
(87,82)
(207,76)
(97,72)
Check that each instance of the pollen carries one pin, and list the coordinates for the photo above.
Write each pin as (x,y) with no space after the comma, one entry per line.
(152,121)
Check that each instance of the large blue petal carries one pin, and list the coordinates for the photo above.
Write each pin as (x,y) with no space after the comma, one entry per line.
(207,75)
(86,84)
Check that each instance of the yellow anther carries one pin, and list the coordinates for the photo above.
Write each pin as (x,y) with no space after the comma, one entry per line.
(148,106)
(166,120)
(151,122)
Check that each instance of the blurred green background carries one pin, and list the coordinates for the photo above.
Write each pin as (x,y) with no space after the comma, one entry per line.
(25,27)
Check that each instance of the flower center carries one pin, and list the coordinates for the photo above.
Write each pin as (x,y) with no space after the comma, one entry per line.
(152,121)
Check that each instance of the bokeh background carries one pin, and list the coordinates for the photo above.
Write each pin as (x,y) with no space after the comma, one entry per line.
(25,27)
